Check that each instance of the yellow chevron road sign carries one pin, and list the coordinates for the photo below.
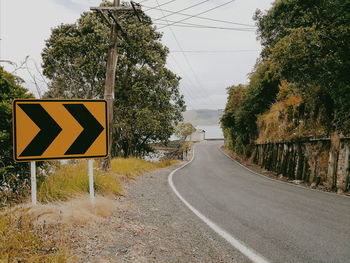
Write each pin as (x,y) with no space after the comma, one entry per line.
(59,129)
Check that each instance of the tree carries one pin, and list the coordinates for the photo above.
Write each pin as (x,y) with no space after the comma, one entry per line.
(308,41)
(147,100)
(13,176)
(244,105)
(236,95)
(184,130)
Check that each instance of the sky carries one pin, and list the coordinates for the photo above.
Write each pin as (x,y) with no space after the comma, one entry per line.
(208,59)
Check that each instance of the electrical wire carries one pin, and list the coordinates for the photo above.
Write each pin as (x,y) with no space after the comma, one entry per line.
(187,25)
(204,18)
(192,24)
(142,1)
(198,14)
(214,51)
(184,9)
(151,8)
(180,47)
(189,95)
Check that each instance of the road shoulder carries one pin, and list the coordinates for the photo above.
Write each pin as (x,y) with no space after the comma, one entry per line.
(151,225)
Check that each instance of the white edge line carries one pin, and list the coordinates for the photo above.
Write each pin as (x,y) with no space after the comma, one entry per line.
(279,181)
(249,253)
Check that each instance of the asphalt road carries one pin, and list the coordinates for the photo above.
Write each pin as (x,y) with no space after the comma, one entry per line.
(279,221)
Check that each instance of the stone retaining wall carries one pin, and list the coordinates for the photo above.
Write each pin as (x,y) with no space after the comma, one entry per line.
(321,163)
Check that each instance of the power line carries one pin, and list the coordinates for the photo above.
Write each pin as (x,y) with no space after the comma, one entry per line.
(160,5)
(200,3)
(198,14)
(192,24)
(190,96)
(204,18)
(187,25)
(214,51)
(188,63)
(180,47)
(142,1)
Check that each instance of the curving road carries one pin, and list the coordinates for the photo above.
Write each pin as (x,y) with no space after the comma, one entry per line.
(279,221)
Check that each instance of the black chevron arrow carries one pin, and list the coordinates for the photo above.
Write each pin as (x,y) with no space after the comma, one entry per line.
(92,128)
(49,129)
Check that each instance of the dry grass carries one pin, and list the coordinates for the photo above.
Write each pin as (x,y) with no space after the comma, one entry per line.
(276,124)
(70,180)
(78,211)
(39,233)
(21,242)
(133,167)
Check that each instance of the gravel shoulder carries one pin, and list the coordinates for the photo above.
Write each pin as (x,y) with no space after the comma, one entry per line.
(151,225)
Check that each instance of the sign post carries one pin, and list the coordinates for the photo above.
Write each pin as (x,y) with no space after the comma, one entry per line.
(33,181)
(91,181)
(59,129)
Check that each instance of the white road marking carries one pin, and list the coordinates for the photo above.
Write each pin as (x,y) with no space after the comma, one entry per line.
(248,252)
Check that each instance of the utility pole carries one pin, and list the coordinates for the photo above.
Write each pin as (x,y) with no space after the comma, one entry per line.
(109,14)
(112,59)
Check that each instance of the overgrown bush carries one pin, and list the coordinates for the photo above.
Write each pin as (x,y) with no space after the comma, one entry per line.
(14,177)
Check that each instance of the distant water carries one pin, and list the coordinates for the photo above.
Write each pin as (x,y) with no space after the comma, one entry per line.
(212,131)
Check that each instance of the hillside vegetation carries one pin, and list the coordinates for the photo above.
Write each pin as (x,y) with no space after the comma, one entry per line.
(300,85)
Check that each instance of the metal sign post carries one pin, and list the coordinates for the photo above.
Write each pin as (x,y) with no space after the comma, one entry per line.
(59,129)
(91,181)
(33,181)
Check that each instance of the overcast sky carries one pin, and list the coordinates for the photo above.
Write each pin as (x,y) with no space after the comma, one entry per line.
(212,59)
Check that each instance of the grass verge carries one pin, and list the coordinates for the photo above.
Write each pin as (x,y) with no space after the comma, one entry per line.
(70,180)
(133,167)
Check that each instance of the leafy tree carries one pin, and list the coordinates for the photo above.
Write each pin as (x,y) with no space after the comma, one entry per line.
(236,96)
(308,41)
(13,176)
(245,103)
(301,84)
(147,99)
(184,130)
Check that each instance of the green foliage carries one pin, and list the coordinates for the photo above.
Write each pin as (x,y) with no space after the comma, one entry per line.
(244,104)
(307,45)
(13,176)
(147,99)
(308,42)
(184,129)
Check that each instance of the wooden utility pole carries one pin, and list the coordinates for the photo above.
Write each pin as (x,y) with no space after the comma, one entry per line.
(112,59)
(109,14)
